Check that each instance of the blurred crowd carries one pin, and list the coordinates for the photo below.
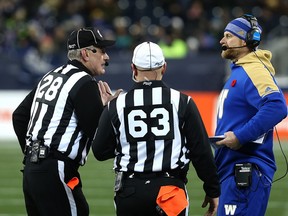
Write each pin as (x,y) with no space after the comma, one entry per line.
(36,31)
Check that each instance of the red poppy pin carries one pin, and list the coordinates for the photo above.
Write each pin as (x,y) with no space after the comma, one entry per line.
(233,83)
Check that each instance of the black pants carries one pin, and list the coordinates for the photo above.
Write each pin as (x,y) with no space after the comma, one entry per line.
(46,192)
(138,196)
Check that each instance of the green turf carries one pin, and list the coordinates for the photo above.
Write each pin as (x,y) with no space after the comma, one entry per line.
(98,179)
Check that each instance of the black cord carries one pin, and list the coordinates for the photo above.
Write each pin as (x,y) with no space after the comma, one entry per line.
(254,51)
(282,151)
(285,158)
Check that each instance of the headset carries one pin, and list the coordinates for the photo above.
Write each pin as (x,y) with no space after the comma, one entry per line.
(253,36)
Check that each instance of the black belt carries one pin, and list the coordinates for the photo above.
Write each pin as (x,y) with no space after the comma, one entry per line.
(51,154)
(144,175)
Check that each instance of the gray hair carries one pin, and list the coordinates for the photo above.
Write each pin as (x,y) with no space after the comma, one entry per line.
(76,53)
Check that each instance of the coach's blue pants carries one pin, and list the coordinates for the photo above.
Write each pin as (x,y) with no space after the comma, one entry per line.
(249,201)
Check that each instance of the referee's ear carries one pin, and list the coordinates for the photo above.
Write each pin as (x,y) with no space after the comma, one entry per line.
(164,68)
(134,69)
(84,54)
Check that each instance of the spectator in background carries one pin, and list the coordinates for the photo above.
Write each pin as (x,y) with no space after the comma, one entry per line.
(199,19)
(144,19)
(172,42)
(124,40)
(44,54)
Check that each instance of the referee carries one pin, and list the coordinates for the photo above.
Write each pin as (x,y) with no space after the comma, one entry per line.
(55,125)
(153,132)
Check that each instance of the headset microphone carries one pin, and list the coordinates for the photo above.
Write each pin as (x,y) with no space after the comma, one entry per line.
(226,47)
(106,63)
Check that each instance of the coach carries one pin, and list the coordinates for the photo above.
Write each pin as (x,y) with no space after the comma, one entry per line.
(154,132)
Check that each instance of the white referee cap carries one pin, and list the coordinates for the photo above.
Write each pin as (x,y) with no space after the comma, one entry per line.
(148,56)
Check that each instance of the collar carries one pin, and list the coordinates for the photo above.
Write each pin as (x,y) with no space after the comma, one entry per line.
(149,84)
(79,65)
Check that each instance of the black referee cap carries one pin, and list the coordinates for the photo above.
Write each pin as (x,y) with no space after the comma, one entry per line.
(85,37)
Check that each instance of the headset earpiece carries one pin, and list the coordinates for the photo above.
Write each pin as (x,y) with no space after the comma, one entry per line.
(253,36)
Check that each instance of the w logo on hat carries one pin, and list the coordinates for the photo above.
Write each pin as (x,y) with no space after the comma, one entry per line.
(241,33)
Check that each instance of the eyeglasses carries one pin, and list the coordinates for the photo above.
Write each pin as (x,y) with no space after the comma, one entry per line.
(92,50)
(95,50)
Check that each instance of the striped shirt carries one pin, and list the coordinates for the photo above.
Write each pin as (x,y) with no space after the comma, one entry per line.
(153,128)
(64,111)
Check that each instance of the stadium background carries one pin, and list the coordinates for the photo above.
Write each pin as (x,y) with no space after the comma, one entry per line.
(33,40)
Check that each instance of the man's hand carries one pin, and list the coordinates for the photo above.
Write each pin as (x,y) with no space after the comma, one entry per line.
(106,93)
(213,205)
(230,141)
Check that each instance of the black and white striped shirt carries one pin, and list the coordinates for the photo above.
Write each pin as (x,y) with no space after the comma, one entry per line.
(154,128)
(64,111)
(150,138)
